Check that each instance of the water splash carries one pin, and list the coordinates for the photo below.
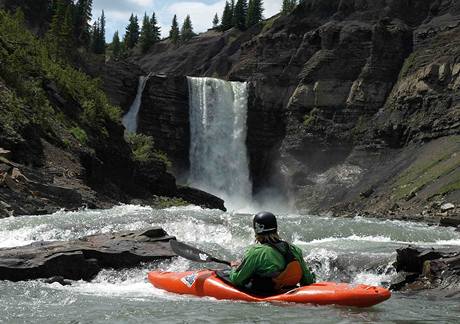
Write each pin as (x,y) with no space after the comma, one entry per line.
(219,161)
(130,118)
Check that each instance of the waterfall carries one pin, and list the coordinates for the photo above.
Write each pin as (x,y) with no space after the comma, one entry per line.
(219,161)
(130,118)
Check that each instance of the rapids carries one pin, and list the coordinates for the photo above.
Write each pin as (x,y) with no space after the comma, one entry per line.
(355,250)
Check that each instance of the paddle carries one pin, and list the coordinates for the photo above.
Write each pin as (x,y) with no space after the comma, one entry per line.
(191,253)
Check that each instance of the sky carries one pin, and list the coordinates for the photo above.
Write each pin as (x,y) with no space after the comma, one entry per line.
(117,12)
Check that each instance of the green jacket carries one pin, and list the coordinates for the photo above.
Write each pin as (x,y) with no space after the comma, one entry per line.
(262,259)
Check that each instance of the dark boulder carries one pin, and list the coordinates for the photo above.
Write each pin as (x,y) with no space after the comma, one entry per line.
(84,258)
(200,198)
(424,268)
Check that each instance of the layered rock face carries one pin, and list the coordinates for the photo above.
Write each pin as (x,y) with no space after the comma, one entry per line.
(353,103)
(84,258)
(165,116)
(119,79)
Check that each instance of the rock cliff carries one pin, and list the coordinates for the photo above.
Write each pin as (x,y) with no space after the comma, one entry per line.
(354,104)
(62,144)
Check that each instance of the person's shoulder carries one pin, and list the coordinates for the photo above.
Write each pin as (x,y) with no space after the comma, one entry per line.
(257,248)
(296,248)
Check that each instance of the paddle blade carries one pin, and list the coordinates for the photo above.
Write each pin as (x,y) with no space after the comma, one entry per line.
(191,253)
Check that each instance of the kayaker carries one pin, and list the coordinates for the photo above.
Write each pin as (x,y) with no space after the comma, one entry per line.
(272,264)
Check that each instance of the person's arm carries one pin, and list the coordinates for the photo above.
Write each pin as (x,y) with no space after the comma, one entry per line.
(241,275)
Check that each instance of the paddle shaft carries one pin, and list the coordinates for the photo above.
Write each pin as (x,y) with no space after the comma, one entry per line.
(191,253)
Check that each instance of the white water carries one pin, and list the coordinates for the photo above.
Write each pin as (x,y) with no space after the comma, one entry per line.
(130,118)
(219,161)
(355,250)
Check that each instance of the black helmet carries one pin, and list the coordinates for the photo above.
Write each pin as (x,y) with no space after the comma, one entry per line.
(264,223)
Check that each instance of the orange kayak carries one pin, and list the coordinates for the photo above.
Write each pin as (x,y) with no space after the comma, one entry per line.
(206,283)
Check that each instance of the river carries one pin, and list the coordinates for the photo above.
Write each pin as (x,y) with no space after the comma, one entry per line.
(341,249)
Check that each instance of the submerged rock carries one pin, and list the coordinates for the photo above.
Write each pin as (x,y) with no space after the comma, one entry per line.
(85,257)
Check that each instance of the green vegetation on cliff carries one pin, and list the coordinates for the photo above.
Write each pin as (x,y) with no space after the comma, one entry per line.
(143,149)
(36,91)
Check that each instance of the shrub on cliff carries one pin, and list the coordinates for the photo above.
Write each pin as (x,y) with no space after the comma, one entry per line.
(143,149)
(44,92)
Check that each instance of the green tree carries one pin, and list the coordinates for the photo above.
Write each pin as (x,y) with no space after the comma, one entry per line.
(132,32)
(215,21)
(239,14)
(174,32)
(60,35)
(187,29)
(227,17)
(116,46)
(98,35)
(83,18)
(288,6)
(156,31)
(146,38)
(101,44)
(255,10)
(66,32)
(59,11)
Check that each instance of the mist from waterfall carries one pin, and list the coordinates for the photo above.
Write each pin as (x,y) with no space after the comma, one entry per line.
(130,118)
(219,161)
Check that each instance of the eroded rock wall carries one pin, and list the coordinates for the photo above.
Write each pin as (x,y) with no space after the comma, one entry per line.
(349,103)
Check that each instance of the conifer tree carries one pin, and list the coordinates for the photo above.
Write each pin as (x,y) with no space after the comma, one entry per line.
(156,31)
(132,32)
(174,32)
(116,46)
(101,44)
(66,32)
(98,35)
(255,10)
(239,14)
(187,29)
(60,35)
(215,21)
(146,36)
(83,17)
(95,31)
(59,11)
(288,6)
(227,17)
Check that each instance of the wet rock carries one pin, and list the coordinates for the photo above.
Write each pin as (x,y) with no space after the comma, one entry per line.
(200,198)
(449,221)
(59,279)
(5,153)
(422,268)
(447,207)
(84,258)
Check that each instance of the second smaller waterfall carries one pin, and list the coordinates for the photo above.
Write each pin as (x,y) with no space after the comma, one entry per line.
(130,118)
